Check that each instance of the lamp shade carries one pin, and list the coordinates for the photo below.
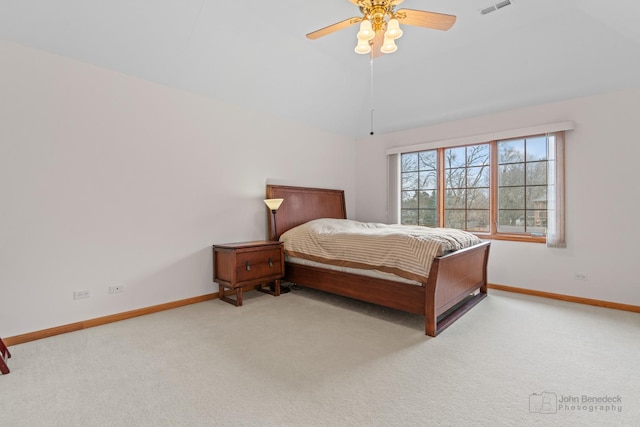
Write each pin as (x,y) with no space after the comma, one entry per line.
(273,204)
(393,29)
(363,47)
(389,46)
(366,31)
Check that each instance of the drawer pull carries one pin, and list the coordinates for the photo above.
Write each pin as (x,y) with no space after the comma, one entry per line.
(270,262)
(248,266)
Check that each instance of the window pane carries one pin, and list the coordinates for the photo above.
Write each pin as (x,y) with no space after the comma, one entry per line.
(478,198)
(410,180)
(511,198)
(427,199)
(409,217)
(428,180)
(537,173)
(540,219)
(511,174)
(455,178)
(537,197)
(409,162)
(511,151)
(455,157)
(428,160)
(511,221)
(455,199)
(419,188)
(478,155)
(428,217)
(409,200)
(454,219)
(478,220)
(478,176)
(537,148)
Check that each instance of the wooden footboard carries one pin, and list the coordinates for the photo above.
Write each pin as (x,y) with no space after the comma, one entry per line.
(457,282)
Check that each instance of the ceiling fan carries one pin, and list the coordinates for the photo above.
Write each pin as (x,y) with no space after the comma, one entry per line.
(379,25)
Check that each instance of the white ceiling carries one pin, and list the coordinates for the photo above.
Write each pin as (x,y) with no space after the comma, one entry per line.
(254,54)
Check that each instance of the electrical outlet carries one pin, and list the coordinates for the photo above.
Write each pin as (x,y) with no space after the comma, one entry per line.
(116,289)
(580,276)
(81,294)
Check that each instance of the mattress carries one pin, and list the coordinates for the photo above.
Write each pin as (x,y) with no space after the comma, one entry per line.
(405,251)
(362,272)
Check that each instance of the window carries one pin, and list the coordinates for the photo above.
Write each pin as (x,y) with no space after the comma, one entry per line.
(501,189)
(522,185)
(466,188)
(419,188)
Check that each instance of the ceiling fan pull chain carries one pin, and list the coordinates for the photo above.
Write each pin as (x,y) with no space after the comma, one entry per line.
(371,62)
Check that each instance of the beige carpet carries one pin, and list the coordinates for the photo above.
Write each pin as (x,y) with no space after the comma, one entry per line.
(311,359)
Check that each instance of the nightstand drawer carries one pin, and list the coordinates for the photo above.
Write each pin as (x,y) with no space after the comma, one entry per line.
(259,264)
(236,265)
(248,263)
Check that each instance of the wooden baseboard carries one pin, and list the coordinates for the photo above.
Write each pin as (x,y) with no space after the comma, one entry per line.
(45,333)
(569,298)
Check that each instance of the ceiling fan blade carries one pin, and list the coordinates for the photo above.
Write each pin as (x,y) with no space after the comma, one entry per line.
(376,44)
(333,28)
(421,18)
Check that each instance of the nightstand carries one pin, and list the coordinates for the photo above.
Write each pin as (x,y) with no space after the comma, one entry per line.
(238,265)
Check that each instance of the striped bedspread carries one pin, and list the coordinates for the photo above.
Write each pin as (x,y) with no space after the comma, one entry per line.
(406,251)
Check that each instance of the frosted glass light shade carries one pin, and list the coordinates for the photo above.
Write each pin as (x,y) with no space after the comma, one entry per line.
(393,29)
(363,47)
(273,204)
(389,46)
(366,31)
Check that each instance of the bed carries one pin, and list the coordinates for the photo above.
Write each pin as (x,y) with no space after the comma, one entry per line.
(456,281)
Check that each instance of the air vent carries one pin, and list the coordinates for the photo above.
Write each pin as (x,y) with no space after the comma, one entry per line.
(495,7)
(487,10)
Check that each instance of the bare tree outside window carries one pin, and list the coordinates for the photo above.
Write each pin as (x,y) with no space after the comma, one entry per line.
(498,188)
(467,187)
(419,191)
(522,185)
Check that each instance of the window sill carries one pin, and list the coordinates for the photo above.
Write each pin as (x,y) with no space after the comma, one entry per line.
(513,237)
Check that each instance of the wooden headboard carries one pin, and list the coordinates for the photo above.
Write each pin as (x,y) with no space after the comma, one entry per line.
(303,204)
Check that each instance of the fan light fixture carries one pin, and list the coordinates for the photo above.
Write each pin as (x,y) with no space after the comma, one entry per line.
(368,32)
(380,25)
(378,17)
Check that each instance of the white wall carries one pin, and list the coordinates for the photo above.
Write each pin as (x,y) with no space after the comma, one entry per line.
(602,159)
(106,179)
